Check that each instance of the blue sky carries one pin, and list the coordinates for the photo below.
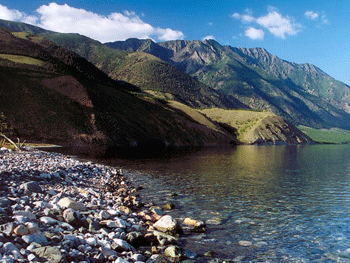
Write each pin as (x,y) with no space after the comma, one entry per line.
(316,32)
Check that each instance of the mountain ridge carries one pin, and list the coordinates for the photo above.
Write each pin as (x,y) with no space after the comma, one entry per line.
(68,100)
(177,122)
(301,93)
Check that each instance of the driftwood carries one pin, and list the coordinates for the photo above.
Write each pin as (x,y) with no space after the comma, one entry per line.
(10,141)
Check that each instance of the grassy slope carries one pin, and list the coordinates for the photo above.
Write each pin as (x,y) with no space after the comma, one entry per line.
(145,71)
(336,136)
(159,78)
(301,93)
(37,102)
(257,127)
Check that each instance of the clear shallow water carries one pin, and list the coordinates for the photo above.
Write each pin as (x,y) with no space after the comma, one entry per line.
(290,203)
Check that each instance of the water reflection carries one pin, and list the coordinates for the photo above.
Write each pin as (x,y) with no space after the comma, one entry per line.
(288,203)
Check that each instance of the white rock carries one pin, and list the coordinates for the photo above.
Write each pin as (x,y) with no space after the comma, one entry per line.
(91,241)
(49,220)
(123,245)
(120,260)
(116,223)
(245,243)
(69,203)
(104,215)
(167,224)
(42,204)
(23,214)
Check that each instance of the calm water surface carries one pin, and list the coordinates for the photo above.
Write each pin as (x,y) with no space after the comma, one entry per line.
(288,203)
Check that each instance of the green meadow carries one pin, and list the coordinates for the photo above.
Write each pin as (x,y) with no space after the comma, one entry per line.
(333,135)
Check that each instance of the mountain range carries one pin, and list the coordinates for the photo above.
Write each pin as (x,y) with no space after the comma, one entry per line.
(125,91)
(301,93)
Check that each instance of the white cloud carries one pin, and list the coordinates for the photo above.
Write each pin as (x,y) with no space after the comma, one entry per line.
(245,18)
(168,34)
(10,14)
(317,17)
(208,38)
(236,16)
(15,15)
(311,15)
(255,34)
(115,26)
(324,20)
(278,25)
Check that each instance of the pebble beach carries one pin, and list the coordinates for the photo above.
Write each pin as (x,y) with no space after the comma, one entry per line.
(55,208)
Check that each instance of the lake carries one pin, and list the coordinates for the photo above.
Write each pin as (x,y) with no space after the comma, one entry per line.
(261,203)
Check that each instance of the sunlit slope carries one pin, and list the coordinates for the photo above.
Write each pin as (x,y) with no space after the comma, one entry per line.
(142,70)
(258,127)
(301,93)
(66,99)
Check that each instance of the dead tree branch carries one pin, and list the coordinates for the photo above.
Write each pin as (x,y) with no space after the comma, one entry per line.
(10,141)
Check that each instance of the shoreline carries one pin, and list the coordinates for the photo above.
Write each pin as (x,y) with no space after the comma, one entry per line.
(104,220)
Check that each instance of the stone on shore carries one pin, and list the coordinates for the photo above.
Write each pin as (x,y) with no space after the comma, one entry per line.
(4,202)
(121,245)
(173,252)
(37,238)
(21,230)
(49,254)
(12,249)
(6,228)
(66,202)
(73,211)
(31,187)
(168,224)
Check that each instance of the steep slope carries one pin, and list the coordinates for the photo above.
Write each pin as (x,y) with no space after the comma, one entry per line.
(167,82)
(148,73)
(48,93)
(301,93)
